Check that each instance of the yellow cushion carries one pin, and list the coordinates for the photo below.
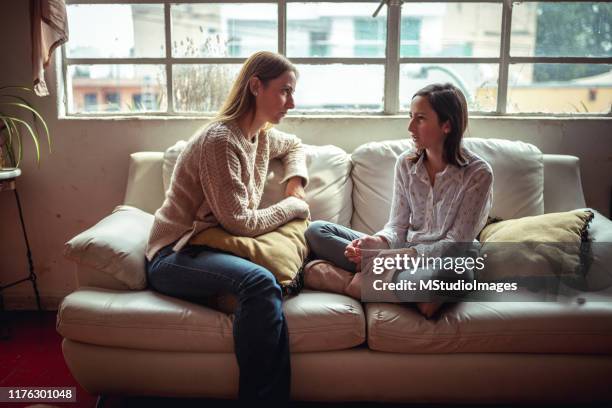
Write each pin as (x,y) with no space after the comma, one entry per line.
(542,245)
(282,251)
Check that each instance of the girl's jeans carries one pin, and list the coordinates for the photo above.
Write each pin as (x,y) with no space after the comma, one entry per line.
(328,241)
(261,339)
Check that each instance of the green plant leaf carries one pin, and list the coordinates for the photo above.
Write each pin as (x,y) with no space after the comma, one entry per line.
(29,128)
(9,141)
(23,88)
(19,142)
(10,97)
(35,112)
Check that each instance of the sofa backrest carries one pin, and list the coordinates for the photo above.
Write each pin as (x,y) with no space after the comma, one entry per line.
(337,193)
(329,188)
(518,173)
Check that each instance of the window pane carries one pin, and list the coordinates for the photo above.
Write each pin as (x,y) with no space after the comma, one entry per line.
(116,31)
(340,30)
(223,30)
(561,30)
(560,88)
(477,81)
(116,88)
(450,29)
(340,87)
(202,88)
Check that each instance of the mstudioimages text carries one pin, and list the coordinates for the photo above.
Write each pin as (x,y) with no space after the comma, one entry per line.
(406,262)
(422,263)
(439,285)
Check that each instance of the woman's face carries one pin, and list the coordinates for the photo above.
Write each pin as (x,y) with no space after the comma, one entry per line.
(274,100)
(424,126)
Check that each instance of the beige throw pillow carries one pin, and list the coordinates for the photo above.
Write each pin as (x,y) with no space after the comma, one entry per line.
(282,251)
(548,245)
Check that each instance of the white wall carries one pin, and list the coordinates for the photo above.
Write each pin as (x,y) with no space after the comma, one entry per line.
(84,178)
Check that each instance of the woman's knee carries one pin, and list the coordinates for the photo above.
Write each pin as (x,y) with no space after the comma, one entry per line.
(260,282)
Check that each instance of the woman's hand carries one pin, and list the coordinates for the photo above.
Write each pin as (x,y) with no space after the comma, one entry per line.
(295,188)
(352,252)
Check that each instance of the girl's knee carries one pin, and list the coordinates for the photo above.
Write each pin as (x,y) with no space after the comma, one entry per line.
(315,230)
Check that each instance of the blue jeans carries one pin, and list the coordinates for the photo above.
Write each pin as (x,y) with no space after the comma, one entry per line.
(328,241)
(261,338)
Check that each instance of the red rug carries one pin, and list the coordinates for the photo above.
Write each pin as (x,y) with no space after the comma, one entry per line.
(31,356)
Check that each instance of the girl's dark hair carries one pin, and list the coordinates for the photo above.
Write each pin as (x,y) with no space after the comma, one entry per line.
(450,105)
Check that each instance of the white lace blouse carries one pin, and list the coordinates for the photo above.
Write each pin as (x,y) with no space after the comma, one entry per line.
(455,209)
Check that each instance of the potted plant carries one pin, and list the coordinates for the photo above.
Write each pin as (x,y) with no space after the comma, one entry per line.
(15,124)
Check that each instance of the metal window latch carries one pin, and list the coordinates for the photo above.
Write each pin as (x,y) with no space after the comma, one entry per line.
(388,3)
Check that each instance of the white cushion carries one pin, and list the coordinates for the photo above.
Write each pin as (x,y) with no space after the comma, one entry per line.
(147,320)
(518,173)
(328,192)
(115,246)
(576,325)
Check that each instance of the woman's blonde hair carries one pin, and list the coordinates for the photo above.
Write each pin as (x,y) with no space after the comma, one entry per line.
(264,65)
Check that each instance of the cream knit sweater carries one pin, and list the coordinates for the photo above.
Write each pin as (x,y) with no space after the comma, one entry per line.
(219,180)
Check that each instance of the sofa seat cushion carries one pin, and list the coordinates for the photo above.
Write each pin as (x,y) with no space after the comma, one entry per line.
(151,321)
(578,326)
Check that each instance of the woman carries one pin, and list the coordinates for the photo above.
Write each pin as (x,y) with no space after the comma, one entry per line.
(442,192)
(219,180)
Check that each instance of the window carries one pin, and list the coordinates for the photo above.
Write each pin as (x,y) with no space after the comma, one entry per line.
(318,44)
(145,101)
(112,101)
(410,32)
(167,57)
(369,34)
(90,102)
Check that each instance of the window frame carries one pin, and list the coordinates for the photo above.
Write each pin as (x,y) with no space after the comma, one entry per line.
(391,61)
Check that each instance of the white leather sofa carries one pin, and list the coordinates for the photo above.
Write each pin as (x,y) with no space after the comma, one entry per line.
(119,341)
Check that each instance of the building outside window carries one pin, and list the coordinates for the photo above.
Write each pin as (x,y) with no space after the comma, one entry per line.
(90,102)
(552,58)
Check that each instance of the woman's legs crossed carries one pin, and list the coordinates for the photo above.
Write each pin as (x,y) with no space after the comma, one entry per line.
(261,338)
(328,241)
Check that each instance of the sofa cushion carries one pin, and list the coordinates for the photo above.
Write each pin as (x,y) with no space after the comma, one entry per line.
(518,173)
(115,246)
(546,245)
(148,320)
(329,189)
(281,251)
(578,326)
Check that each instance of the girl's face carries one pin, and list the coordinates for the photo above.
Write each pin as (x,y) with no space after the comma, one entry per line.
(274,100)
(424,125)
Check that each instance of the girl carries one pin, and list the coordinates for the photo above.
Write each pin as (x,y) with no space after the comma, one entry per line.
(442,192)
(219,180)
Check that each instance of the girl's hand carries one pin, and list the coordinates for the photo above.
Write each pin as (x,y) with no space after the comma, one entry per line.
(373,242)
(295,188)
(353,250)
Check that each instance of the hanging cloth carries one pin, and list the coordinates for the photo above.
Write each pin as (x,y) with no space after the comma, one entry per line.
(49,31)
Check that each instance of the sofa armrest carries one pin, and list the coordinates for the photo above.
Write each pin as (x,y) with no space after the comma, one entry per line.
(562,183)
(114,247)
(145,189)
(600,229)
(599,276)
